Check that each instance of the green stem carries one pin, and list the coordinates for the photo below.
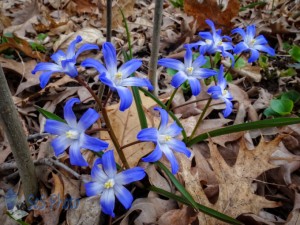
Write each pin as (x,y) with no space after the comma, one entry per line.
(107,121)
(171,98)
(149,94)
(200,118)
(234,62)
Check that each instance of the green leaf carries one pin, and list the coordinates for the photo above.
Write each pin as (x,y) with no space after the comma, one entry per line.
(42,36)
(286,46)
(228,77)
(240,63)
(291,95)
(171,72)
(252,5)
(217,58)
(207,64)
(19,221)
(196,55)
(49,115)
(263,61)
(295,53)
(277,122)
(282,106)
(201,208)
(288,72)
(178,185)
(270,112)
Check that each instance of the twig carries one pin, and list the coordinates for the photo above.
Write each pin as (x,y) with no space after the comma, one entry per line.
(17,139)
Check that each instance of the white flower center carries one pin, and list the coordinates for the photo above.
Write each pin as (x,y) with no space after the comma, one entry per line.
(109,184)
(72,134)
(220,43)
(190,70)
(164,138)
(118,76)
(208,41)
(224,92)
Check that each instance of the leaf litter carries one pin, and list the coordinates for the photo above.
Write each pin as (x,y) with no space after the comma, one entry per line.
(245,174)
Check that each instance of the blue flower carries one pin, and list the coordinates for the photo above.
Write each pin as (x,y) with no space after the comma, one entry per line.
(213,42)
(116,78)
(107,183)
(165,141)
(252,43)
(188,70)
(73,134)
(219,92)
(64,63)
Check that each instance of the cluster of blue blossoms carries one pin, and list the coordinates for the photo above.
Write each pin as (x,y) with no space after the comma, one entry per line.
(71,135)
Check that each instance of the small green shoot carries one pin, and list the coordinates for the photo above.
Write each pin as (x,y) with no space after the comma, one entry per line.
(295,53)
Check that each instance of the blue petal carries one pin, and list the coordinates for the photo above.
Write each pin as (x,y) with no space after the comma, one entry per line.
(58,56)
(87,119)
(221,79)
(125,98)
(179,146)
(137,82)
(164,117)
(260,40)
(86,47)
(267,49)
(254,55)
(69,114)
(211,24)
(206,35)
(60,144)
(178,79)
(45,66)
(76,157)
(109,163)
(195,85)
(188,57)
(71,48)
(69,67)
(148,134)
(124,196)
(173,130)
(130,175)
(203,73)
(228,109)
(171,63)
(94,64)
(109,53)
(105,79)
(56,127)
(107,201)
(199,61)
(44,78)
(239,31)
(98,174)
(251,31)
(240,47)
(171,157)
(215,92)
(92,143)
(154,156)
(130,67)
(93,188)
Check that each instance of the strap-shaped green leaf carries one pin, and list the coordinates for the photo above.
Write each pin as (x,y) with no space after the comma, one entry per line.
(49,115)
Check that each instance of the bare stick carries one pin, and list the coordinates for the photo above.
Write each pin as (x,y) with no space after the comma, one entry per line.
(17,139)
(108,19)
(155,45)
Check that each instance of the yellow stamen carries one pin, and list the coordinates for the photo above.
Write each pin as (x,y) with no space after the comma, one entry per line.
(190,69)
(224,92)
(72,134)
(167,138)
(220,43)
(109,184)
(118,75)
(208,41)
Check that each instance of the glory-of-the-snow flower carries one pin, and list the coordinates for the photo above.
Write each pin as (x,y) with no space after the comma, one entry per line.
(213,42)
(109,184)
(64,62)
(219,91)
(251,43)
(165,139)
(188,70)
(118,79)
(72,134)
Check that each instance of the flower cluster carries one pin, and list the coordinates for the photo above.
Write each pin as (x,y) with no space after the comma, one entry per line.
(71,133)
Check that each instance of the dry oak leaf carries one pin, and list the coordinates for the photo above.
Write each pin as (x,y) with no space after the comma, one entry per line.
(211,9)
(236,194)
(126,126)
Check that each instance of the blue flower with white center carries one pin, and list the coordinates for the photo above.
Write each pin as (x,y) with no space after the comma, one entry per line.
(165,141)
(116,78)
(188,70)
(219,92)
(213,42)
(252,43)
(107,183)
(72,134)
(64,62)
